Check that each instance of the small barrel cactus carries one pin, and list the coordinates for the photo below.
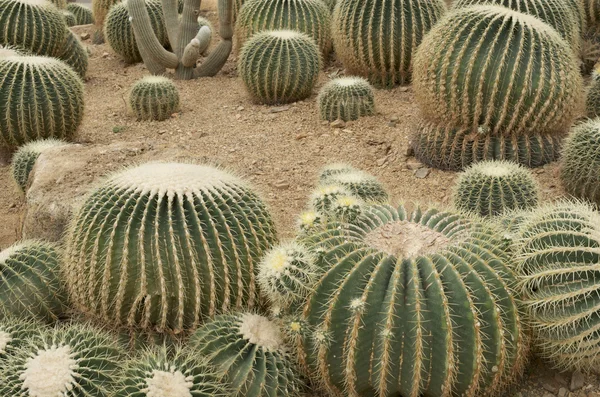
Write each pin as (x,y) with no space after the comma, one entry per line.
(306,16)
(184,244)
(83,15)
(35,25)
(359,183)
(592,103)
(378,44)
(74,54)
(69,17)
(154,98)
(491,188)
(346,98)
(495,71)
(24,159)
(279,66)
(71,360)
(424,300)
(40,97)
(14,332)
(309,220)
(580,163)
(250,350)
(100,9)
(323,197)
(157,373)
(334,169)
(118,31)
(346,208)
(558,257)
(60,4)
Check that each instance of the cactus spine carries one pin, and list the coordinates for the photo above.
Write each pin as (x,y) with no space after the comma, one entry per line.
(384,59)
(592,103)
(346,98)
(184,245)
(74,54)
(82,14)
(13,334)
(24,159)
(154,98)
(69,17)
(280,66)
(60,4)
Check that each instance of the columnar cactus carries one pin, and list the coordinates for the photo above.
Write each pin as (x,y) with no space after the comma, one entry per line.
(40,98)
(14,332)
(69,17)
(154,98)
(184,244)
(495,71)
(250,350)
(82,14)
(346,98)
(423,300)
(307,16)
(491,188)
(592,103)
(74,54)
(66,361)
(558,258)
(359,183)
(24,159)
(30,284)
(279,66)
(580,163)
(385,59)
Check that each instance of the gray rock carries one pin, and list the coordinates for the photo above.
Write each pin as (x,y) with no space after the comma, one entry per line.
(577,381)
(422,173)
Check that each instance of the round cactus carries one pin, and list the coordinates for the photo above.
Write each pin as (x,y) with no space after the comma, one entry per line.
(307,16)
(30,283)
(593,95)
(40,98)
(35,25)
(66,361)
(495,71)
(60,4)
(322,199)
(156,373)
(24,159)
(445,147)
(309,220)
(424,300)
(491,188)
(346,98)
(360,184)
(184,243)
(154,98)
(118,31)
(83,15)
(250,350)
(279,66)
(580,164)
(75,55)
(346,208)
(14,332)
(100,9)
(380,45)
(558,257)
(334,169)
(69,17)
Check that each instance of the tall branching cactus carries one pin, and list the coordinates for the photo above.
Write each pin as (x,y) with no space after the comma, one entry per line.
(187,41)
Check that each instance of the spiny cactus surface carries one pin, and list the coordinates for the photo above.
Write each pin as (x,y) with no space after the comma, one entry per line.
(74,54)
(592,11)
(592,103)
(14,332)
(184,243)
(60,4)
(358,183)
(346,98)
(100,9)
(69,17)
(24,159)
(154,98)
(82,14)
(323,197)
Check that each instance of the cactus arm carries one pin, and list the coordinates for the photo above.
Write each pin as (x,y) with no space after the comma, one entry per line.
(218,57)
(169,8)
(197,46)
(188,28)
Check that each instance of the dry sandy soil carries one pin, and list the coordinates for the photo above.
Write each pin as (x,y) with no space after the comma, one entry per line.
(280,150)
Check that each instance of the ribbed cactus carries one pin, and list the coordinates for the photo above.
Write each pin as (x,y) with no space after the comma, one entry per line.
(100,9)
(40,98)
(592,11)
(60,4)
(359,183)
(13,334)
(307,16)
(154,98)
(69,17)
(346,208)
(580,163)
(445,147)
(73,360)
(250,350)
(118,31)
(378,44)
(346,98)
(412,304)
(590,49)
(279,66)
(157,373)
(74,54)
(592,103)
(558,258)
(333,169)
(24,159)
(323,197)
(35,25)
(82,14)
(495,71)
(31,286)
(309,220)
(184,243)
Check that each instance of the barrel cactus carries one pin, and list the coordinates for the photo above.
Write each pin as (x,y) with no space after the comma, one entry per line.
(346,98)
(69,17)
(495,71)
(14,332)
(24,159)
(74,54)
(592,11)
(491,188)
(184,244)
(279,66)
(154,98)
(82,14)
(424,300)
(558,257)
(592,103)
(323,197)
(308,220)
(250,350)
(307,16)
(358,183)
(65,361)
(385,59)
(100,9)
(40,97)
(60,4)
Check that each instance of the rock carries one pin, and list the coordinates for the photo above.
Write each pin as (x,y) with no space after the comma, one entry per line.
(548,395)
(577,380)
(549,387)
(593,394)
(85,36)
(301,136)
(105,54)
(392,124)
(338,124)
(240,108)
(394,119)
(414,165)
(422,173)
(562,392)
(282,184)
(381,162)
(279,109)
(403,89)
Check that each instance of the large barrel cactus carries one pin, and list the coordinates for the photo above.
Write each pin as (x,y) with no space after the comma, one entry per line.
(82,13)
(496,71)
(592,102)
(412,304)
(14,332)
(376,39)
(163,245)
(74,54)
